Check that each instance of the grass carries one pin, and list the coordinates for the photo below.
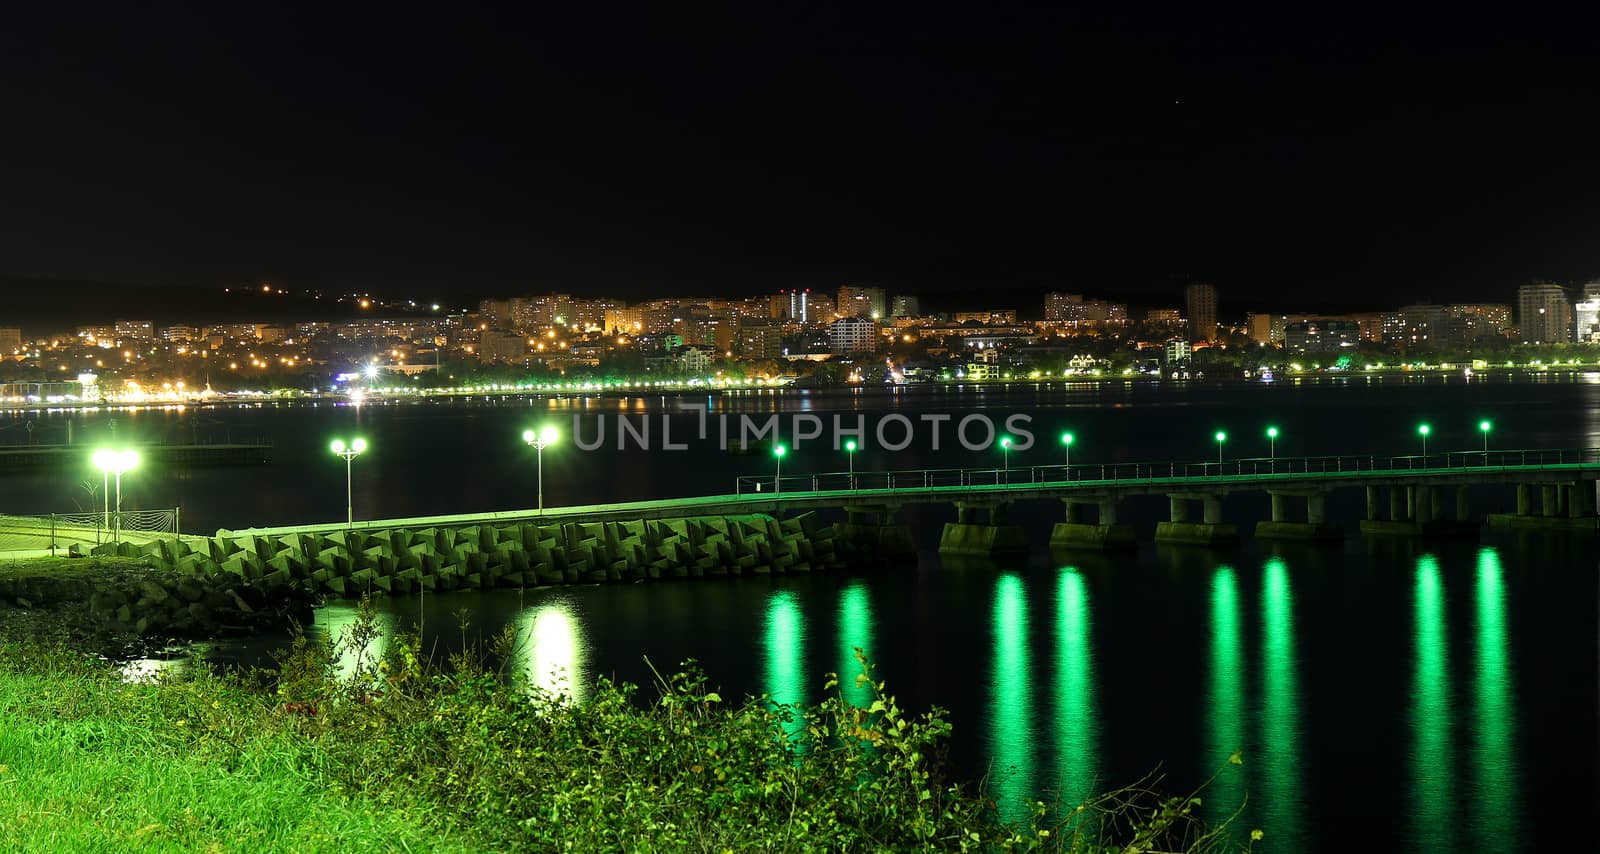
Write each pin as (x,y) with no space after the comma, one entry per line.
(402,755)
(88,763)
(65,567)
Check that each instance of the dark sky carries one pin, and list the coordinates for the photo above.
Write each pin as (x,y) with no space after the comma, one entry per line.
(1294,154)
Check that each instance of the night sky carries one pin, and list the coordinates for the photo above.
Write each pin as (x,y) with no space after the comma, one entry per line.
(1295,155)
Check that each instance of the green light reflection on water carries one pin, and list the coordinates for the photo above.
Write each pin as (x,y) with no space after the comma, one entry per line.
(785,649)
(855,630)
(1494,715)
(1225,702)
(1011,698)
(1281,792)
(1077,729)
(1431,761)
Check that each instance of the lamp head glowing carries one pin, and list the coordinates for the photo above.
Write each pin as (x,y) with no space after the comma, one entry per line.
(1066,438)
(1485,426)
(1221,436)
(1006,443)
(779,450)
(127,460)
(336,446)
(1423,429)
(850,446)
(529,436)
(104,459)
(358,445)
(548,435)
(1272,432)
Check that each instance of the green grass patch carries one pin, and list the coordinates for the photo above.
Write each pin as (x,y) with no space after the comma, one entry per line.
(403,755)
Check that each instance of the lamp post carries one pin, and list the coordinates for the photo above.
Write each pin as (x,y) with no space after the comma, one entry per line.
(114,463)
(850,454)
(777,479)
(1272,443)
(1423,430)
(1005,457)
(1220,437)
(349,452)
(1484,427)
(539,440)
(1066,448)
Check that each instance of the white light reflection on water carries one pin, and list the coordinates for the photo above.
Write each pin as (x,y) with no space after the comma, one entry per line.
(550,650)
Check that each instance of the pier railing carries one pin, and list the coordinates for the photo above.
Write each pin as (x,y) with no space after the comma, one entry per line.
(1095,474)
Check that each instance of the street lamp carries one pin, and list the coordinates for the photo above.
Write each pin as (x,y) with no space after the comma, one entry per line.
(114,463)
(1423,430)
(1220,437)
(1005,457)
(1066,447)
(545,436)
(349,452)
(777,480)
(850,454)
(1484,427)
(1272,443)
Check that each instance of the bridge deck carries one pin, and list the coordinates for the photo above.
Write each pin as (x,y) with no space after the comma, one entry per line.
(981,486)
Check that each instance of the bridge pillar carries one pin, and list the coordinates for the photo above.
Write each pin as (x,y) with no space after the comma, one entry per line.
(1104,534)
(1562,507)
(1317,508)
(870,530)
(1397,505)
(1422,500)
(1581,503)
(1374,502)
(1315,527)
(1211,531)
(1411,502)
(966,536)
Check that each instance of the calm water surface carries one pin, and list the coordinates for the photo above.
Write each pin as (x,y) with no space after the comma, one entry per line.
(1385,695)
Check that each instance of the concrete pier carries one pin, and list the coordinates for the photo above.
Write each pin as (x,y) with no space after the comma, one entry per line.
(1210,531)
(871,530)
(1104,534)
(1568,506)
(968,536)
(1315,524)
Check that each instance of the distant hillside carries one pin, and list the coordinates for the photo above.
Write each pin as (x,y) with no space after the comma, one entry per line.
(44,306)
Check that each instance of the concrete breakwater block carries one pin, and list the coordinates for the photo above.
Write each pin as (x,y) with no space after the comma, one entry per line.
(401,561)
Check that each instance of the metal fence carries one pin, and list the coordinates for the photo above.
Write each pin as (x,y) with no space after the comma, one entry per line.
(1096,474)
(64,530)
